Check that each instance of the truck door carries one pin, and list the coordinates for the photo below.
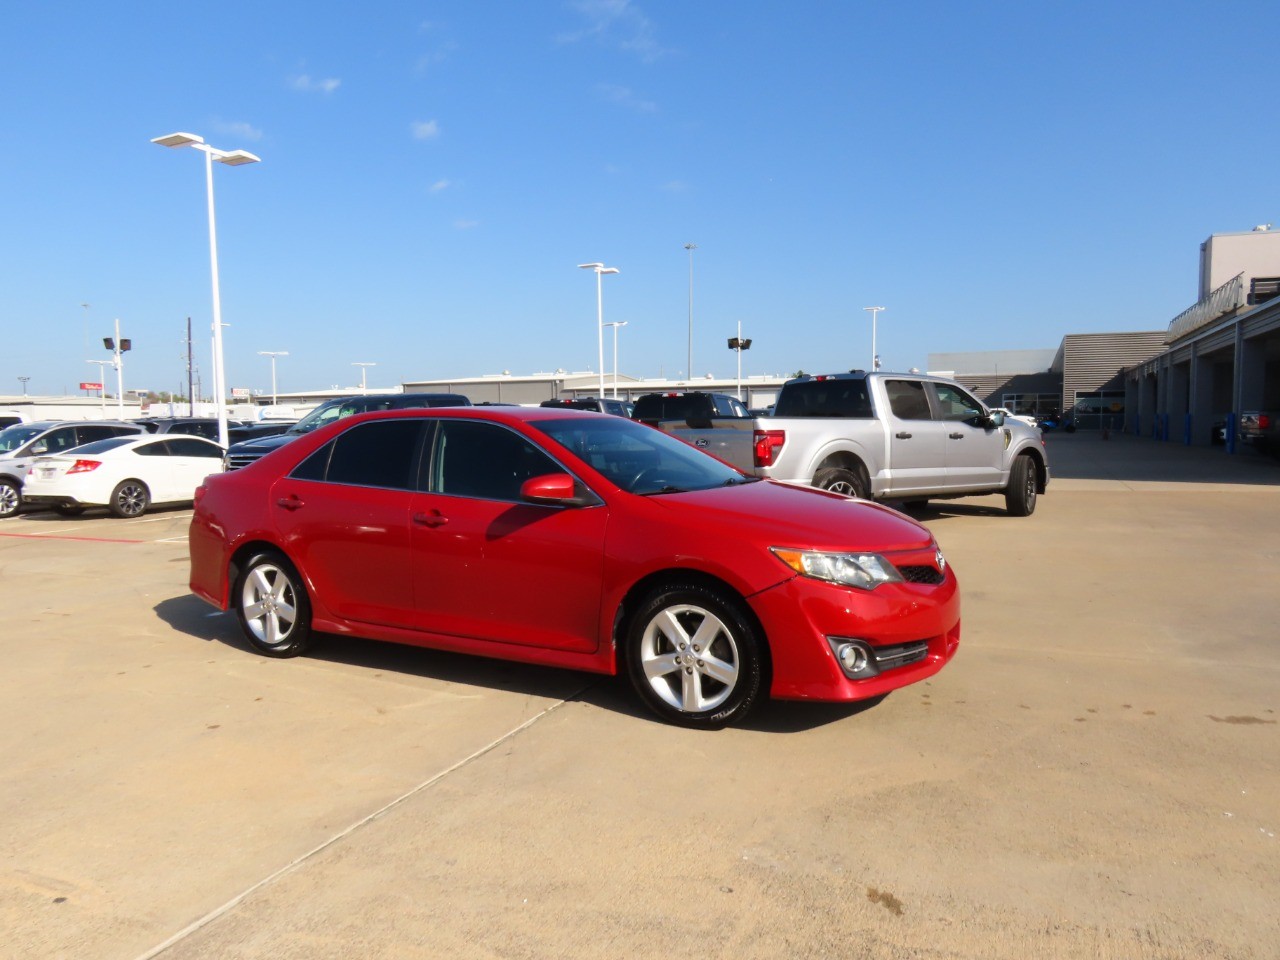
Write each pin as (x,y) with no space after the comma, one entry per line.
(917,442)
(974,452)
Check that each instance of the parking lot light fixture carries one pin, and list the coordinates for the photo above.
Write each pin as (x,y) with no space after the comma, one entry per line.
(738,344)
(600,270)
(615,324)
(231,158)
(273,354)
(875,357)
(364,368)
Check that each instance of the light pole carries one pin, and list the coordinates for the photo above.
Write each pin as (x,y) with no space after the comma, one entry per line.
(690,247)
(118,346)
(102,384)
(363,370)
(615,324)
(600,270)
(875,357)
(232,158)
(737,344)
(273,354)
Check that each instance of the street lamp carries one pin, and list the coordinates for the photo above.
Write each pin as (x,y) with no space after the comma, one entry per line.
(737,344)
(118,346)
(600,270)
(273,354)
(23,381)
(364,368)
(875,357)
(615,324)
(102,384)
(690,247)
(232,158)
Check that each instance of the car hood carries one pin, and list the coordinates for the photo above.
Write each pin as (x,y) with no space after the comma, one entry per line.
(263,445)
(794,516)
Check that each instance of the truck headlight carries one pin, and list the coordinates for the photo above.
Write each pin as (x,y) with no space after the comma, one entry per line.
(865,571)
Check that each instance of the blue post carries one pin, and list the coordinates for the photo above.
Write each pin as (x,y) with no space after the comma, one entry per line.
(1186,431)
(1231,433)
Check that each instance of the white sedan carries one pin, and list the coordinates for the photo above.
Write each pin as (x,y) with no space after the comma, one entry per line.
(124,474)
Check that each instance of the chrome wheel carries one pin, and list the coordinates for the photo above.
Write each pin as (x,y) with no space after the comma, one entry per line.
(130,498)
(10,499)
(268,602)
(690,658)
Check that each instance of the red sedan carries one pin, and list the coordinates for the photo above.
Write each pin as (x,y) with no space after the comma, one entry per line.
(578,540)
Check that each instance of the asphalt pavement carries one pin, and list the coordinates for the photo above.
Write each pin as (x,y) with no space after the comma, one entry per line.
(1096,774)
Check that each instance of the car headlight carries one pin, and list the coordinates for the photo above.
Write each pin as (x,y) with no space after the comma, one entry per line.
(866,571)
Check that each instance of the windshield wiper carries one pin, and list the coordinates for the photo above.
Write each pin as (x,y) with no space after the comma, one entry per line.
(734,481)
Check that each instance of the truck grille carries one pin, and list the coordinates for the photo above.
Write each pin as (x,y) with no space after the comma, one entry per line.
(237,460)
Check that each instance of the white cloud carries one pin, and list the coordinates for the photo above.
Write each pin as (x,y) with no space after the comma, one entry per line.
(674,186)
(625,97)
(243,131)
(466,224)
(307,84)
(617,23)
(440,185)
(424,129)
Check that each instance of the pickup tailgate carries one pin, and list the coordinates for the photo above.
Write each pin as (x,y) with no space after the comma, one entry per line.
(730,438)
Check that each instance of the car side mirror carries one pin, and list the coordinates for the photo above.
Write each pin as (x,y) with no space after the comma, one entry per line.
(39,448)
(551,489)
(996,417)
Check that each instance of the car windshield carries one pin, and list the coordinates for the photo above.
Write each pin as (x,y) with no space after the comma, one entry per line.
(316,418)
(11,438)
(637,458)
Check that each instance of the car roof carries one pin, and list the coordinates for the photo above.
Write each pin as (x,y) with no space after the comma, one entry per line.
(489,414)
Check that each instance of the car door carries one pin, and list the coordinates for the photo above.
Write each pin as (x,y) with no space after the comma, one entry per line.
(489,566)
(343,516)
(191,460)
(917,441)
(974,450)
(150,463)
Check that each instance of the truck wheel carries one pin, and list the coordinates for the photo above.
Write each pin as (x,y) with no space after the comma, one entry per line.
(840,480)
(1020,495)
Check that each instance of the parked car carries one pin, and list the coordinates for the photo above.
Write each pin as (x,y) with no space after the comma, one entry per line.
(1029,420)
(598,404)
(206,427)
(1261,429)
(882,436)
(693,406)
(247,451)
(258,429)
(21,443)
(127,475)
(576,540)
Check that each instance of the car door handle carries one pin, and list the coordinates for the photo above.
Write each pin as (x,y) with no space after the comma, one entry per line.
(291,502)
(903,435)
(956,436)
(433,519)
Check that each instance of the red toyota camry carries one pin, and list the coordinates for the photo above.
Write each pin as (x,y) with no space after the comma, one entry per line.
(578,540)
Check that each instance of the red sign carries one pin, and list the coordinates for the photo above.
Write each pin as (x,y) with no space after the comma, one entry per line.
(90,386)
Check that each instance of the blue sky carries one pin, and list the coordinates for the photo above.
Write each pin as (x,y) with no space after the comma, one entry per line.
(994,174)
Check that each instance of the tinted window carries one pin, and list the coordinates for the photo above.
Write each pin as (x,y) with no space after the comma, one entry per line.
(193,447)
(207,430)
(955,404)
(160,449)
(96,432)
(63,439)
(102,446)
(908,400)
(11,438)
(825,398)
(380,454)
(315,466)
(485,461)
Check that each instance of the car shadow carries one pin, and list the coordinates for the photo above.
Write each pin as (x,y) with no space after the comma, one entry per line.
(947,510)
(189,615)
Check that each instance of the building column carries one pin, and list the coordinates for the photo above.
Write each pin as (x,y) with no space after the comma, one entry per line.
(1200,400)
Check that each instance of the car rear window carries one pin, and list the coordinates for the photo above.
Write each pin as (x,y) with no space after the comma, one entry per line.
(825,398)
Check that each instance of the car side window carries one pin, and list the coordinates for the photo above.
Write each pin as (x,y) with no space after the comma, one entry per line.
(955,404)
(908,400)
(379,454)
(160,449)
(484,461)
(191,447)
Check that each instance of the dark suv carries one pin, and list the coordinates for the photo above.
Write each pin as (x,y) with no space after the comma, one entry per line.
(691,405)
(242,454)
(599,404)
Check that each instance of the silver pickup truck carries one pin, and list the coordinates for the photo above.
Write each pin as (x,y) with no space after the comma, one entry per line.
(882,436)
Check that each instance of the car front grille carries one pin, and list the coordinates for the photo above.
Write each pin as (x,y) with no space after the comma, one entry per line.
(237,460)
(900,654)
(922,574)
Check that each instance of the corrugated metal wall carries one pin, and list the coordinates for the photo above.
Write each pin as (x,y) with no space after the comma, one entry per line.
(1094,361)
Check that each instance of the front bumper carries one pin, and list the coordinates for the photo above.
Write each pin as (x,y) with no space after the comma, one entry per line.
(909,630)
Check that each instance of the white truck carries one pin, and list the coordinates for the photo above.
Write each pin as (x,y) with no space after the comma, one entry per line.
(882,436)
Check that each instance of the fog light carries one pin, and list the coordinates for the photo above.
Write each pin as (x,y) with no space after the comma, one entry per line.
(852,657)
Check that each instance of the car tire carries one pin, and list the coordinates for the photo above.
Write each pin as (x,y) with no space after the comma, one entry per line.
(695,656)
(841,480)
(1020,495)
(67,509)
(129,499)
(272,605)
(10,498)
